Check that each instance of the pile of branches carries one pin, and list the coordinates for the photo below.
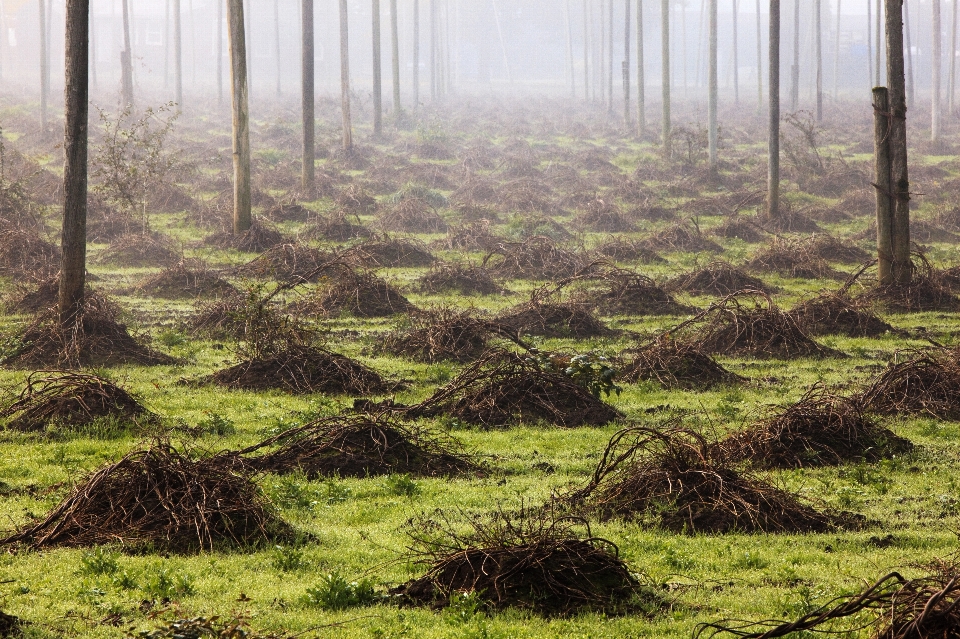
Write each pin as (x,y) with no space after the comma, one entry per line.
(924,383)
(791,221)
(532,560)
(838,314)
(676,479)
(792,259)
(461,277)
(740,228)
(159,498)
(69,399)
(302,369)
(411,215)
(605,217)
(901,608)
(358,292)
(40,297)
(536,258)
(354,200)
(749,323)
(552,319)
(927,291)
(182,281)
(504,388)
(256,239)
(674,364)
(94,338)
(820,429)
(290,211)
(526,195)
(623,249)
(717,278)
(441,334)
(830,248)
(473,236)
(360,446)
(389,252)
(337,228)
(626,292)
(141,250)
(682,237)
(27,254)
(288,262)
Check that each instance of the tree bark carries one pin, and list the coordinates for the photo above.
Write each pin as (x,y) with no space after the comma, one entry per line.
(885,200)
(713,88)
(345,78)
(307,75)
(911,96)
(773,135)
(126,59)
(220,53)
(586,52)
(416,54)
(795,67)
(503,44)
(736,54)
(241,116)
(610,57)
(602,54)
(870,41)
(74,235)
(377,71)
(665,74)
(641,79)
(759,60)
(902,269)
(627,117)
(433,50)
(395,57)
(818,36)
(836,56)
(937,59)
(44,66)
(568,18)
(878,63)
(952,80)
(167,39)
(178,53)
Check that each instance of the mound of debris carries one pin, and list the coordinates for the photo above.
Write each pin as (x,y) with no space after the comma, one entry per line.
(740,228)
(360,446)
(474,236)
(623,292)
(353,200)
(69,399)
(302,369)
(40,297)
(337,228)
(927,291)
(389,252)
(141,250)
(820,429)
(535,561)
(838,314)
(181,281)
(790,221)
(623,249)
(717,278)
(412,215)
(289,211)
(682,237)
(27,254)
(537,258)
(917,383)
(460,277)
(792,259)
(358,292)
(441,334)
(552,319)
(604,216)
(674,364)
(676,479)
(260,237)
(503,388)
(289,262)
(827,247)
(159,498)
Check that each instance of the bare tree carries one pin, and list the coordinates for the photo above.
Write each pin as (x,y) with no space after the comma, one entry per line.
(952,80)
(878,63)
(795,67)
(736,53)
(416,54)
(377,71)
(900,269)
(665,73)
(759,60)
(395,55)
(836,55)
(433,50)
(220,53)
(713,90)
(178,53)
(870,41)
(308,172)
(936,99)
(818,37)
(568,19)
(345,77)
(610,58)
(773,135)
(241,116)
(641,79)
(911,96)
(626,64)
(73,260)
(126,58)
(44,66)
(586,52)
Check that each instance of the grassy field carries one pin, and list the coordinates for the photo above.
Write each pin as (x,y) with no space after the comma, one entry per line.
(354,529)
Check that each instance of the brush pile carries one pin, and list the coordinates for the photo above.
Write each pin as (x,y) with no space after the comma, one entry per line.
(337,228)
(740,228)
(256,239)
(674,364)
(927,291)
(460,277)
(926,383)
(27,254)
(682,237)
(141,250)
(473,236)
(39,297)
(360,446)
(625,292)
(624,249)
(552,319)
(183,282)
(676,479)
(820,429)
(411,215)
(537,258)
(827,247)
(437,335)
(604,216)
(69,399)
(503,388)
(288,262)
(717,278)
(532,560)
(302,369)
(389,252)
(838,314)
(353,200)
(360,293)
(159,498)
(792,259)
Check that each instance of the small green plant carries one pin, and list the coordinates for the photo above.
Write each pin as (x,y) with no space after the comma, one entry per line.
(99,561)
(336,593)
(216,424)
(750,561)
(465,606)
(589,370)
(335,492)
(165,585)
(401,485)
(171,338)
(125,581)
(295,492)
(288,559)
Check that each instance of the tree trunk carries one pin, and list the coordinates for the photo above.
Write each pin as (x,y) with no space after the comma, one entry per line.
(885,199)
(878,37)
(937,58)
(416,54)
(773,134)
(818,37)
(433,50)
(713,89)
(911,96)
(503,44)
(93,47)
(345,78)
(627,117)
(641,79)
(952,80)
(586,52)
(395,56)
(377,72)
(571,68)
(795,67)
(44,66)
(126,59)
(220,53)
(178,53)
(870,41)
(276,34)
(74,235)
(836,56)
(665,134)
(602,54)
(736,54)
(610,58)
(307,75)
(902,269)
(759,60)
(241,116)
(167,38)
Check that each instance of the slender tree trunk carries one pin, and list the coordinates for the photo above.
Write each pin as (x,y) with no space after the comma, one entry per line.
(602,54)
(93,47)
(248,40)
(902,269)
(167,38)
(870,41)
(377,72)
(276,35)
(836,56)
(610,58)
(937,59)
(878,62)
(416,54)
(178,53)
(586,52)
(736,54)
(665,74)
(773,135)
(885,199)
(433,50)
(395,56)
(307,75)
(795,67)
(503,43)
(911,95)
(3,37)
(220,53)
(568,18)
(641,78)
(74,235)
(126,58)
(627,117)
(44,66)
(713,88)
(241,116)
(345,77)
(759,60)
(818,37)
(952,80)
